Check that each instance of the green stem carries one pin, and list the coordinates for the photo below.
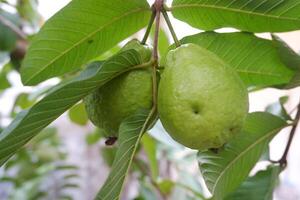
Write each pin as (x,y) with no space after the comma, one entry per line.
(158,6)
(167,19)
(149,26)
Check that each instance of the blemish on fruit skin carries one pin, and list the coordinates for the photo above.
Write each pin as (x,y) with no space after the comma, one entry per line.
(196,109)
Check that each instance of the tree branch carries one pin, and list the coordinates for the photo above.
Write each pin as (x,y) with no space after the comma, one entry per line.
(283,160)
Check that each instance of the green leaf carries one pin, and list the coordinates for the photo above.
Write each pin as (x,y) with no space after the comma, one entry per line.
(149,145)
(80,32)
(30,122)
(78,115)
(278,108)
(8,38)
(23,101)
(224,171)
(130,133)
(295,81)
(286,53)
(4,83)
(163,42)
(291,59)
(94,137)
(255,59)
(108,155)
(258,187)
(252,16)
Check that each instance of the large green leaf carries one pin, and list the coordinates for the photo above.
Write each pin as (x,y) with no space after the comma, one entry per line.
(255,59)
(79,32)
(30,122)
(224,171)
(259,187)
(252,16)
(130,133)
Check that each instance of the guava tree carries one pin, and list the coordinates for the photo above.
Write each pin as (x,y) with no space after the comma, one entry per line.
(198,89)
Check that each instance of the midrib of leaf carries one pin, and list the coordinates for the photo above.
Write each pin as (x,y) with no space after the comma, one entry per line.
(242,154)
(139,136)
(83,40)
(143,130)
(233,10)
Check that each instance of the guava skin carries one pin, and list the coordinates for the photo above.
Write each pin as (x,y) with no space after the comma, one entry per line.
(202,102)
(109,105)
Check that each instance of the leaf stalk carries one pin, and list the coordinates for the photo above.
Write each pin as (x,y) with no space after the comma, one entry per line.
(170,26)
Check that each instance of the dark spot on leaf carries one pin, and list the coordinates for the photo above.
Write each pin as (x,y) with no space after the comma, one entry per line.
(111,141)
(90,41)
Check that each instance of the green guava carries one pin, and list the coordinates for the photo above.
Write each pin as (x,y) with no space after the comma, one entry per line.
(202,102)
(109,105)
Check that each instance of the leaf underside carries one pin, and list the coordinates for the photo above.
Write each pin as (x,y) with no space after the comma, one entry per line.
(29,123)
(258,187)
(224,171)
(291,59)
(130,133)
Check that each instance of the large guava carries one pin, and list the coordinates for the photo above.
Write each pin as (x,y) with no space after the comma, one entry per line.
(109,105)
(202,102)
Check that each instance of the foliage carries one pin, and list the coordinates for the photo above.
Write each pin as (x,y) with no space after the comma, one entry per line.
(39,163)
(80,46)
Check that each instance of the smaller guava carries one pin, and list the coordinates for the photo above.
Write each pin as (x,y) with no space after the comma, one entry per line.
(109,105)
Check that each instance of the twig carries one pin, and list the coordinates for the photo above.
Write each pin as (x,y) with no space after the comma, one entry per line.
(12,27)
(283,160)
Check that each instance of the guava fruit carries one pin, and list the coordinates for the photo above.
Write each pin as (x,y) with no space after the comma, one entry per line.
(109,105)
(202,102)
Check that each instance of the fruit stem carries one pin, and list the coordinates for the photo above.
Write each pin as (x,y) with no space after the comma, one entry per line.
(283,160)
(158,6)
(167,19)
(153,15)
